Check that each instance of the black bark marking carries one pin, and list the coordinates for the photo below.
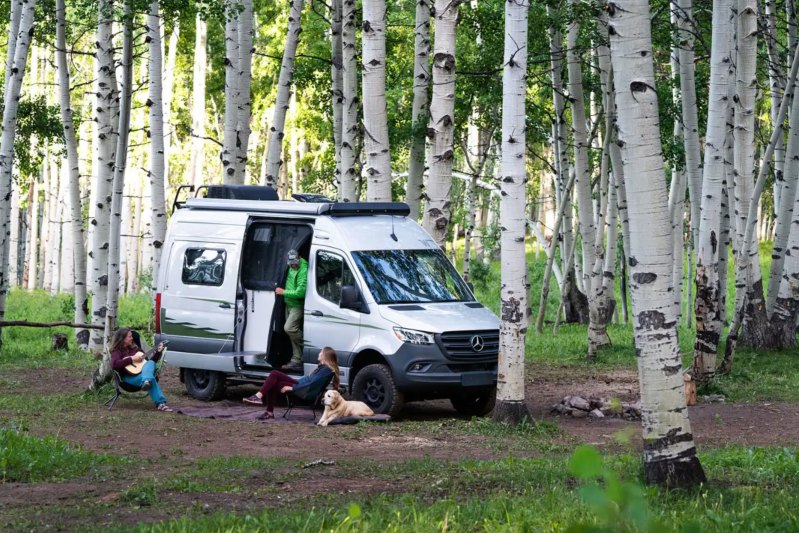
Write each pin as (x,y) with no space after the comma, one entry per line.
(644,277)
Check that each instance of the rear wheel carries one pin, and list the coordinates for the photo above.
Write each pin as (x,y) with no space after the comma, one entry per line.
(205,385)
(475,403)
(375,387)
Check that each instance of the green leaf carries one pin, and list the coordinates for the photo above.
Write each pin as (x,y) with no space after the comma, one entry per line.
(355,510)
(586,463)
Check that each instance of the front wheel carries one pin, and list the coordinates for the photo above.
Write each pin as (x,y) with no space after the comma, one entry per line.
(375,387)
(476,403)
(205,385)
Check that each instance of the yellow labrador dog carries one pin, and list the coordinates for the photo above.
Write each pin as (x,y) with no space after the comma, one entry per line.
(336,406)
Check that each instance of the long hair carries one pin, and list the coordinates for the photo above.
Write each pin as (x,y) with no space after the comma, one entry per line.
(118,341)
(330,360)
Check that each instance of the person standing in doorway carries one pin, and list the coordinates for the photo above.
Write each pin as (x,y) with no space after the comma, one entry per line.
(294,295)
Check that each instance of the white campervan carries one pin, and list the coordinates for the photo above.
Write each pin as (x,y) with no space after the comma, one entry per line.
(380,292)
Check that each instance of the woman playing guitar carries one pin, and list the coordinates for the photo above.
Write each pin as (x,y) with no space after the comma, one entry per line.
(125,353)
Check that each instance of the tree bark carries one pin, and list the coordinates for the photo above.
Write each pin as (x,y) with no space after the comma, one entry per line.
(230,149)
(274,160)
(349,121)
(157,147)
(514,294)
(244,107)
(197,161)
(22,42)
(419,108)
(375,113)
(103,372)
(669,452)
(337,78)
(708,295)
(169,85)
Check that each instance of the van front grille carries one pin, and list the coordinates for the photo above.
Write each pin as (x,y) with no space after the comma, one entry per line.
(469,345)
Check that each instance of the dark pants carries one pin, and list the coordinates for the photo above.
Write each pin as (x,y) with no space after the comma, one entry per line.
(272,385)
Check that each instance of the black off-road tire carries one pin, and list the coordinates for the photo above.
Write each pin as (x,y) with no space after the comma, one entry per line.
(375,387)
(205,385)
(475,403)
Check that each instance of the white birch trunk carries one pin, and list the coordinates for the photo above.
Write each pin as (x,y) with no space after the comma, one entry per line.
(419,108)
(33,233)
(708,297)
(678,177)
(230,149)
(243,110)
(669,452)
(375,113)
(51,248)
(440,131)
(349,121)
(336,78)
(197,161)
(515,288)
(275,149)
(169,91)
(13,30)
(786,307)
(106,117)
(14,237)
(66,262)
(693,156)
(15,74)
(120,166)
(776,86)
(156,114)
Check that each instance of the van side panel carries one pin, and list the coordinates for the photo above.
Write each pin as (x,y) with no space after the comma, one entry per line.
(198,293)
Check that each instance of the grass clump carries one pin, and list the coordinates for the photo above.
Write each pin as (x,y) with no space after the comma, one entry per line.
(26,458)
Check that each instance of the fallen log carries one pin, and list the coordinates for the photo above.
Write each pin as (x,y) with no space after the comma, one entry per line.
(6,323)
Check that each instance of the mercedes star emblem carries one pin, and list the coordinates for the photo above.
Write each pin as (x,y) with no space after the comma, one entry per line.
(477,343)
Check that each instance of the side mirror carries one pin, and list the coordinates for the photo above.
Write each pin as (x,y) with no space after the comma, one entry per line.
(350,298)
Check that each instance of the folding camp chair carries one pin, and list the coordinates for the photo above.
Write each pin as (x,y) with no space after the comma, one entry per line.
(121,388)
(312,395)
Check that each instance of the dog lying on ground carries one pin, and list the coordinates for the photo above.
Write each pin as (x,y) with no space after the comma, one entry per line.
(336,406)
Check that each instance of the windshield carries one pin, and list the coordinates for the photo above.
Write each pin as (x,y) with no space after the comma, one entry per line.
(411,276)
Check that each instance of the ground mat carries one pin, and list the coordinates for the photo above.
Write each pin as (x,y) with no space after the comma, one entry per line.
(230,410)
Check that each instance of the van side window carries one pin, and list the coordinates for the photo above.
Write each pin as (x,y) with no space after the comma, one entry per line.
(331,274)
(204,266)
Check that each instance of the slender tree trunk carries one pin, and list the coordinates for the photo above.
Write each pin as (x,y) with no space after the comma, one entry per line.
(440,130)
(106,118)
(157,160)
(22,41)
(419,108)
(13,30)
(33,232)
(708,295)
(669,452)
(375,113)
(678,179)
(230,149)
(274,160)
(14,239)
(515,289)
(776,86)
(198,102)
(103,373)
(244,108)
(350,103)
(169,85)
(337,77)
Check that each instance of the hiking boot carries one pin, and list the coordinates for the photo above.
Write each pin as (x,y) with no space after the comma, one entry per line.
(253,400)
(146,385)
(267,416)
(293,367)
(164,407)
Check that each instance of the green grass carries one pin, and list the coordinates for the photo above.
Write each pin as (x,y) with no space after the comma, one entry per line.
(753,490)
(29,459)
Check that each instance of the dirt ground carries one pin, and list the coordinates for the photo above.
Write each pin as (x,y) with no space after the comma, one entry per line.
(423,431)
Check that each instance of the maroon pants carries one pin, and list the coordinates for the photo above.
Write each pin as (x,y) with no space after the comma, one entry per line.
(271,387)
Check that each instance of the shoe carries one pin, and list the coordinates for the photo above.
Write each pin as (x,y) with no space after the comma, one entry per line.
(267,416)
(293,367)
(164,407)
(253,400)
(146,385)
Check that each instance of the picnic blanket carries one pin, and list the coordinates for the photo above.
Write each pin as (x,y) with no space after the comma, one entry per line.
(231,410)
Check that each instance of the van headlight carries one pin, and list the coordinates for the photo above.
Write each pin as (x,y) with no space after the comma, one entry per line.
(413,336)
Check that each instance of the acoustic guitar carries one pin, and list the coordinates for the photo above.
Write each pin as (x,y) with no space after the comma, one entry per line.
(134,369)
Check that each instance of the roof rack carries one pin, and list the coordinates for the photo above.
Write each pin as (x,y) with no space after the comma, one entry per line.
(345,209)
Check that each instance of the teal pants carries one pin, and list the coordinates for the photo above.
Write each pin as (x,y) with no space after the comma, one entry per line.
(293,329)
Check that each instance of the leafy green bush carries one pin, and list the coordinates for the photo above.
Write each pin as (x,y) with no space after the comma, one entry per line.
(26,458)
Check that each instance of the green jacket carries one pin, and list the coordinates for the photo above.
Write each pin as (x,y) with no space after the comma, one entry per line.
(296,283)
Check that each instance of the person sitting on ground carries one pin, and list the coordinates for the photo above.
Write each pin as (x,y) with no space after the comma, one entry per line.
(294,295)
(278,381)
(124,352)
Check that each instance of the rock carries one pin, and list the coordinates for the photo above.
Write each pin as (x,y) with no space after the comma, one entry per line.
(596,413)
(712,398)
(580,403)
(579,413)
(561,409)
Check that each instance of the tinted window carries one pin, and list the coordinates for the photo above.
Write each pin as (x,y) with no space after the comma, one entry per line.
(264,261)
(332,273)
(411,276)
(204,266)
